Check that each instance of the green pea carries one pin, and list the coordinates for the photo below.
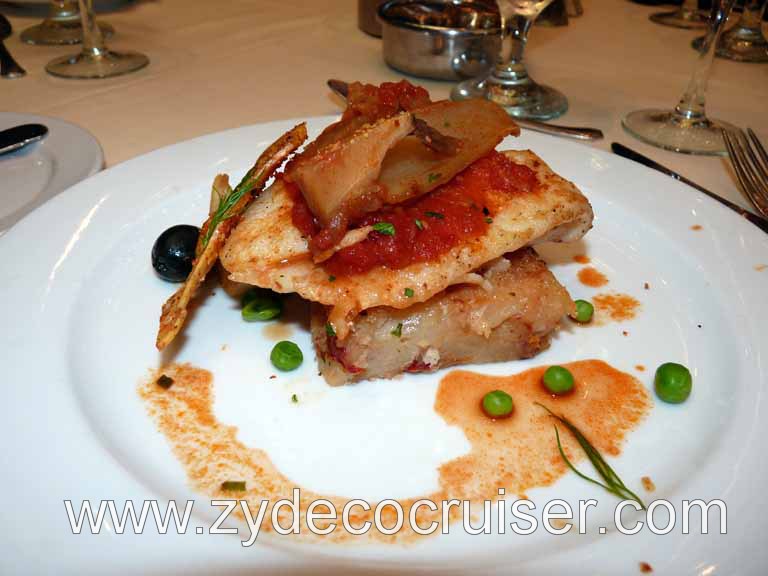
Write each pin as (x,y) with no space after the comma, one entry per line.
(286,356)
(673,383)
(498,404)
(261,305)
(558,380)
(584,311)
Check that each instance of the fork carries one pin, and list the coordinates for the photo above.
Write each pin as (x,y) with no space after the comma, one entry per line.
(750,162)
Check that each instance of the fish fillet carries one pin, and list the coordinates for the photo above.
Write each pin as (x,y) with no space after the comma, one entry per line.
(267,250)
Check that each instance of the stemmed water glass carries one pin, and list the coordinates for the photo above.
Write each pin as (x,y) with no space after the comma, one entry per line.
(509,84)
(744,41)
(62,26)
(686,128)
(95,60)
(687,16)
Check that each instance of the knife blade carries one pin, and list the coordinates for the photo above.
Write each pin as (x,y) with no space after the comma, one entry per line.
(19,136)
(625,152)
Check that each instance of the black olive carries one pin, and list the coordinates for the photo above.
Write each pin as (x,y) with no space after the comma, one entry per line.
(174,251)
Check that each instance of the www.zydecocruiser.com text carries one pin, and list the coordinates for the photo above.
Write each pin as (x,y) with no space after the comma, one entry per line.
(520,516)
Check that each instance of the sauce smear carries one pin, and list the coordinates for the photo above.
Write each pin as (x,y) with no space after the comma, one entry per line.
(590,276)
(516,453)
(616,307)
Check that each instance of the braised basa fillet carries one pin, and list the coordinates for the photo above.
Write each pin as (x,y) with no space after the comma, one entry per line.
(503,202)
(508,314)
(409,233)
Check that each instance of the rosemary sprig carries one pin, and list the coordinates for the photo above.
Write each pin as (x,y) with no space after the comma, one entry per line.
(270,160)
(224,210)
(613,483)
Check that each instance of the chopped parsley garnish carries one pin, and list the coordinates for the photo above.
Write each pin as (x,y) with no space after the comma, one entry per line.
(331,278)
(329,329)
(433,176)
(434,215)
(384,228)
(397,330)
(165,382)
(408,292)
(233,486)
(488,220)
(419,224)
(295,399)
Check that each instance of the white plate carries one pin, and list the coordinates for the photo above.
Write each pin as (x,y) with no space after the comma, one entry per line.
(80,303)
(36,173)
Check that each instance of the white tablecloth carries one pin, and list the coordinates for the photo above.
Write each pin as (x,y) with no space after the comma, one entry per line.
(217,65)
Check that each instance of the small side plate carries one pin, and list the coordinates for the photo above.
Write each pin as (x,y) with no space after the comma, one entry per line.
(31,176)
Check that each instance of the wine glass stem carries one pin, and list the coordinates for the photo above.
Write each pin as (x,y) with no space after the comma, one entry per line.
(691,105)
(514,36)
(93,42)
(64,10)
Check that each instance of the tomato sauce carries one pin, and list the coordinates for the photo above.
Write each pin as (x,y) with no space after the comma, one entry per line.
(301,216)
(385,100)
(429,226)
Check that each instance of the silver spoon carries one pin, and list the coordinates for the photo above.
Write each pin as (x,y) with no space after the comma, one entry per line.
(9,68)
(578,132)
(20,136)
(342,88)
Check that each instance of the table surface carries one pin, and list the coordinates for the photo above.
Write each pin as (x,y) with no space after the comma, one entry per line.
(218,65)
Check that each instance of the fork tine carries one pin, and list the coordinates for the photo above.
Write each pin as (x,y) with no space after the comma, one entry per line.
(738,162)
(752,165)
(758,145)
(762,167)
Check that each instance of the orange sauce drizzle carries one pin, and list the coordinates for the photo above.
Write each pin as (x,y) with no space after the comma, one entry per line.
(616,307)
(517,453)
(592,277)
(648,484)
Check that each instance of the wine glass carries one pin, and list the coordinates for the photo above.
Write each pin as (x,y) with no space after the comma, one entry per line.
(62,26)
(687,16)
(743,42)
(95,60)
(509,84)
(686,128)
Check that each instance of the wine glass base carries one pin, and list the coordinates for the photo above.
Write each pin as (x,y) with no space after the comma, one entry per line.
(103,65)
(661,128)
(734,48)
(57,33)
(681,19)
(539,103)
(528,100)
